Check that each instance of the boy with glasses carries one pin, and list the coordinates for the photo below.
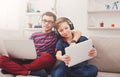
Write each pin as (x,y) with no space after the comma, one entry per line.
(45,42)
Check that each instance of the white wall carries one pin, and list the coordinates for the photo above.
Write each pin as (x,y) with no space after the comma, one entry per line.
(14,33)
(76,11)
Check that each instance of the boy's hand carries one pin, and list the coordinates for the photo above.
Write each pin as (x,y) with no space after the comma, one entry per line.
(92,53)
(66,59)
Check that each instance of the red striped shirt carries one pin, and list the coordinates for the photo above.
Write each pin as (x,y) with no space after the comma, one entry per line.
(45,42)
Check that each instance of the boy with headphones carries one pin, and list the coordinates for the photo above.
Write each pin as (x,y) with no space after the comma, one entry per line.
(64,27)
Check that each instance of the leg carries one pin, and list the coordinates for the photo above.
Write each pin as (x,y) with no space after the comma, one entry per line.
(41,73)
(83,70)
(92,70)
(59,71)
(45,61)
(11,66)
(88,71)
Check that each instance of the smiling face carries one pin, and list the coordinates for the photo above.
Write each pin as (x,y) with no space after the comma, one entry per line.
(47,23)
(64,30)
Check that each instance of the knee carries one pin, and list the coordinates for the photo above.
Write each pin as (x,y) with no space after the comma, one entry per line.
(59,71)
(93,71)
(61,65)
(88,71)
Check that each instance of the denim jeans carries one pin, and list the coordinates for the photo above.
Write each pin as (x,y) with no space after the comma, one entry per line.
(60,70)
(86,70)
(79,70)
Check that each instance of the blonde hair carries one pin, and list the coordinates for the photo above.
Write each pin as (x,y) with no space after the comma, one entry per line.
(59,21)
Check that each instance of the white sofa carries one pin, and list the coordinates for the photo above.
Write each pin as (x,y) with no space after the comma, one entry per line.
(107,60)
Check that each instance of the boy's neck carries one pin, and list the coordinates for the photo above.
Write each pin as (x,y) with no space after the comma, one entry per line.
(69,39)
(46,31)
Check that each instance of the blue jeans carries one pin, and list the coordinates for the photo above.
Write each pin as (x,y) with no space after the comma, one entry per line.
(83,70)
(60,70)
(79,70)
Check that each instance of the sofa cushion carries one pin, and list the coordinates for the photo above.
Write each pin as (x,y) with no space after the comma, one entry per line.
(106,74)
(108,58)
(2,47)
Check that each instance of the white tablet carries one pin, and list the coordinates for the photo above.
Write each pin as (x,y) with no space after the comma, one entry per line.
(79,52)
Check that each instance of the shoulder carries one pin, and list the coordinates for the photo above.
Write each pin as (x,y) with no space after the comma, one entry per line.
(60,45)
(82,38)
(36,33)
(60,41)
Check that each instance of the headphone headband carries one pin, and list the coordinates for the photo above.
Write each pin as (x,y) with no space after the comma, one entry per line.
(70,23)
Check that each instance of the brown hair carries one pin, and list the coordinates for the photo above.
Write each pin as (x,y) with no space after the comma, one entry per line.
(50,14)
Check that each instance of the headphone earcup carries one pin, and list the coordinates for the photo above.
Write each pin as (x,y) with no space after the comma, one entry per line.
(71,26)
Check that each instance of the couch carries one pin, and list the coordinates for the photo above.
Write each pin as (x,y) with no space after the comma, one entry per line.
(107,60)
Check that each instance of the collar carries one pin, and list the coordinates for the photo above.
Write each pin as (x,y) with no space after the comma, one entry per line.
(64,40)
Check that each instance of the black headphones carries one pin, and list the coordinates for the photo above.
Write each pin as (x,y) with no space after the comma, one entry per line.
(70,23)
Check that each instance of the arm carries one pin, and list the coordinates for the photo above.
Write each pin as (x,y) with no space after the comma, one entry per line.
(61,57)
(76,35)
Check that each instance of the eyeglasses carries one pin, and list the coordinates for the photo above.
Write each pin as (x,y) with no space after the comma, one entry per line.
(48,21)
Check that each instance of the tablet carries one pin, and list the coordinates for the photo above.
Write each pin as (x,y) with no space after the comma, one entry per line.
(79,52)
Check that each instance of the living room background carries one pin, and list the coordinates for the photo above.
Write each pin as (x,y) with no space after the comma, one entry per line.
(76,10)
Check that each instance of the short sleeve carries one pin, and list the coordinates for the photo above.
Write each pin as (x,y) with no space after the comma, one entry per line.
(59,45)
